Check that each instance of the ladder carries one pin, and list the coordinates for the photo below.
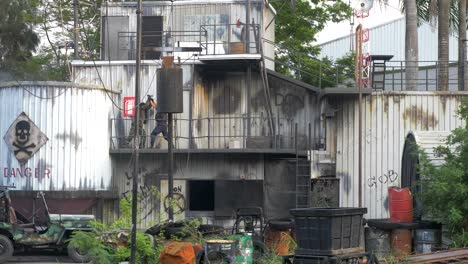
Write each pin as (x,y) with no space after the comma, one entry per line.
(303,182)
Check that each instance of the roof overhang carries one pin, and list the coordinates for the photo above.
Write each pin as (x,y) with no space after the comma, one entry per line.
(293,81)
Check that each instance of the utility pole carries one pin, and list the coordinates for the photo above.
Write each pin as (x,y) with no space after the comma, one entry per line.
(136,138)
(75,29)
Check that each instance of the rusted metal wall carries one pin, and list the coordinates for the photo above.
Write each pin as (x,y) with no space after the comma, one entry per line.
(226,167)
(387,118)
(75,118)
(221,102)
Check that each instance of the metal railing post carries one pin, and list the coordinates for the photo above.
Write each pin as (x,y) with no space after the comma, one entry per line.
(401,76)
(320,75)
(209,133)
(214,40)
(427,80)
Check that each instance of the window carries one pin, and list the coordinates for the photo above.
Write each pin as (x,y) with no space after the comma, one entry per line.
(201,195)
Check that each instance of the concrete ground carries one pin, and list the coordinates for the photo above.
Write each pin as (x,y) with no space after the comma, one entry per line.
(40,257)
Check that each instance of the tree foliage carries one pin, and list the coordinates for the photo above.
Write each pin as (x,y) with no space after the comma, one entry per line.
(18,40)
(296,27)
(445,188)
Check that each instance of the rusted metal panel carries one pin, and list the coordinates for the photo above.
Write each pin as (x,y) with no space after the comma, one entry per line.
(75,119)
(186,167)
(387,118)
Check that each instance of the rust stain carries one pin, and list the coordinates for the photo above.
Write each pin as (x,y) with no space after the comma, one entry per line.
(417,115)
(200,105)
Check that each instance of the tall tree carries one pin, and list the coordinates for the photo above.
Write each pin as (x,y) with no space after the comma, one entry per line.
(462,73)
(297,24)
(443,19)
(411,44)
(17,38)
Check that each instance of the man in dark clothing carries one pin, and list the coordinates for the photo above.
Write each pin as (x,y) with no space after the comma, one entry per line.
(143,108)
(161,127)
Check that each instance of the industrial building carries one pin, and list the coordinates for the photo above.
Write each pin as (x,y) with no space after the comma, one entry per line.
(242,139)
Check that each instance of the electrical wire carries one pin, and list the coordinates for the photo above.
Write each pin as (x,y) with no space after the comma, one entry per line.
(94,63)
(33,94)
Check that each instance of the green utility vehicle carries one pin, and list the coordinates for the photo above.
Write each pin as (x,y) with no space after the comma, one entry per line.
(17,233)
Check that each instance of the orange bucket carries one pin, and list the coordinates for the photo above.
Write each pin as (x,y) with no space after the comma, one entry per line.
(278,241)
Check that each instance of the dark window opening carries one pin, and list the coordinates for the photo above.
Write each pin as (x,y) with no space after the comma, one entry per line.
(152,32)
(201,195)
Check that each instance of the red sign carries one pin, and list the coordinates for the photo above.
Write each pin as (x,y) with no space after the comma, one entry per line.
(129,106)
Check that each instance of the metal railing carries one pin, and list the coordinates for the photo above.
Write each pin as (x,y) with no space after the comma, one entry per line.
(213,39)
(218,133)
(231,39)
(394,78)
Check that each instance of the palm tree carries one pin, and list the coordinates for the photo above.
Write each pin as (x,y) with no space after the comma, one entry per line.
(411,44)
(462,74)
(443,19)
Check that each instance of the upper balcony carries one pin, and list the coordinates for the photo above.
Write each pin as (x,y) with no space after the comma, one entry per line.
(217,42)
(219,135)
(207,31)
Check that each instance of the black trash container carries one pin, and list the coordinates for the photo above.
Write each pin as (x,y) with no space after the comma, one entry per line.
(328,231)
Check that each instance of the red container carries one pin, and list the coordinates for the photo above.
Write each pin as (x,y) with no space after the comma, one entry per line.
(401,242)
(400,203)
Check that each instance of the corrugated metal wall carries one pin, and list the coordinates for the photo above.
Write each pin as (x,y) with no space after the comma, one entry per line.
(76,121)
(226,167)
(119,76)
(388,116)
(389,39)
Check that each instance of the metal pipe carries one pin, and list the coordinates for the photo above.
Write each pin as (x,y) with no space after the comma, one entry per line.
(170,176)
(247,26)
(136,139)
(359,85)
(75,29)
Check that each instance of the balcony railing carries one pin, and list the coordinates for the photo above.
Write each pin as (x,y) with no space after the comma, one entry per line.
(219,133)
(216,39)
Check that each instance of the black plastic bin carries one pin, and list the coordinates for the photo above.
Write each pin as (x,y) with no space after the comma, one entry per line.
(328,231)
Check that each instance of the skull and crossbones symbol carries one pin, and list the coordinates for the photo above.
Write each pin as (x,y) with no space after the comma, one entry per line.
(22,133)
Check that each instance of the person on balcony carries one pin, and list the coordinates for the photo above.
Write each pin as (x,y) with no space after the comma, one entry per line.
(161,127)
(143,108)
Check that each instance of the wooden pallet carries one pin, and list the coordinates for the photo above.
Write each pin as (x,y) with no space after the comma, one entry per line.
(441,257)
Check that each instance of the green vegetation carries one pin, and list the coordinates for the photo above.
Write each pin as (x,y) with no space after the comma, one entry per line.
(297,25)
(111,243)
(445,188)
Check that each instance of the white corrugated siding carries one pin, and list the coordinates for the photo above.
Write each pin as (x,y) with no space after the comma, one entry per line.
(76,122)
(119,76)
(387,118)
(389,39)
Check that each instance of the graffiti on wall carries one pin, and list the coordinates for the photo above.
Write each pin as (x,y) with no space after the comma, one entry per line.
(390,177)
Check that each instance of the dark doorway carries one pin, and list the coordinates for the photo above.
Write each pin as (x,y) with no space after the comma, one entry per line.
(201,195)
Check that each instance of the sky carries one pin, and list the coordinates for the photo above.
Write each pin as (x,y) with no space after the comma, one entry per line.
(378,15)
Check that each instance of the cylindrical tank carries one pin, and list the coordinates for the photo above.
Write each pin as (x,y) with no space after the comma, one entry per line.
(400,203)
(401,242)
(170,90)
(75,119)
(378,242)
(426,239)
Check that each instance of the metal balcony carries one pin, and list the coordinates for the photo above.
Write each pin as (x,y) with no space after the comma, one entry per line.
(219,135)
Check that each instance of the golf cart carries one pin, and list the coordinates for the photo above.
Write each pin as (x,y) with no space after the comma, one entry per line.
(17,233)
